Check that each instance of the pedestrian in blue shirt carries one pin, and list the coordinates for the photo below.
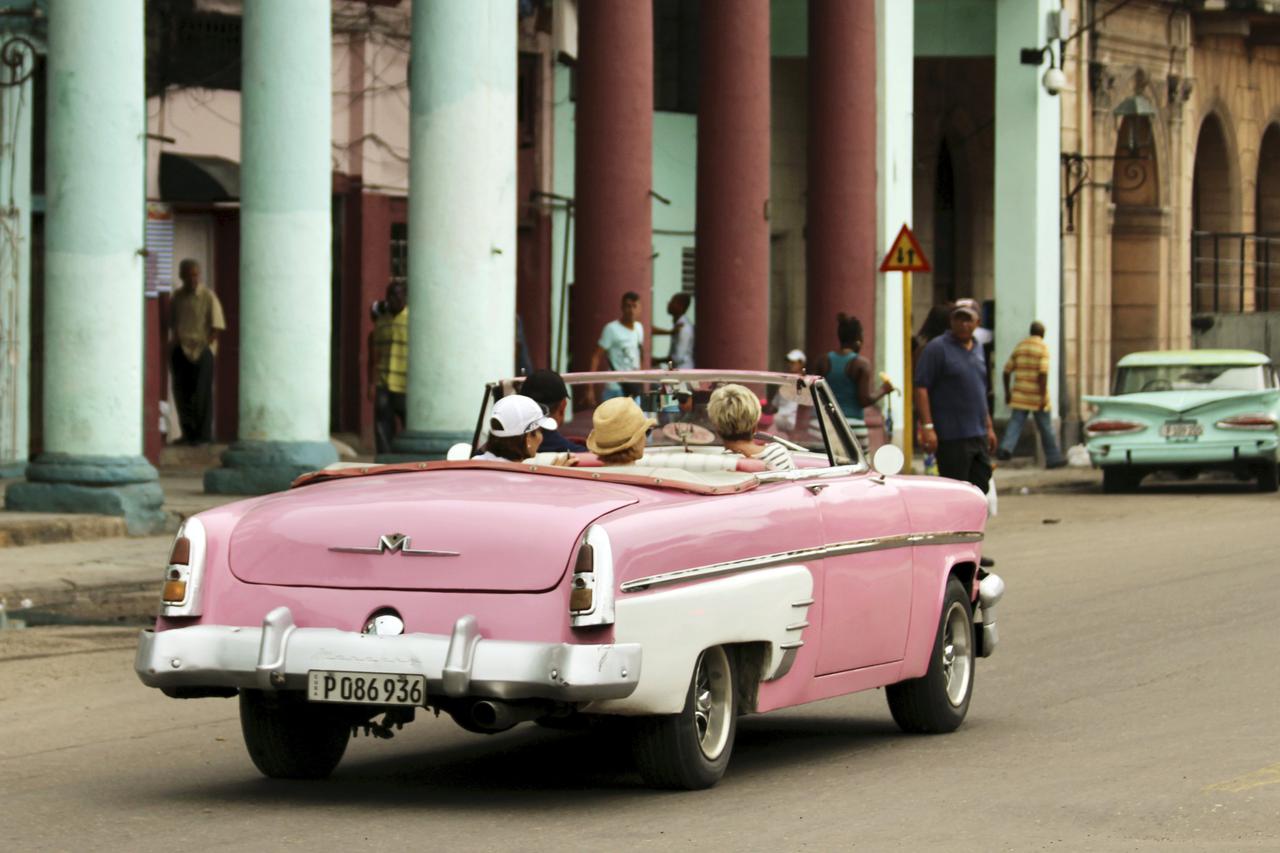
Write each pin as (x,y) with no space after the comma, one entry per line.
(951,398)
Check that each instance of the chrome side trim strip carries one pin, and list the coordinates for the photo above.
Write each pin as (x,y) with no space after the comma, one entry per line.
(781,558)
(806,603)
(793,645)
(797,626)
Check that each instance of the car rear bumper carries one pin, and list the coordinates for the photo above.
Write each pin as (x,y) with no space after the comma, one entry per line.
(1217,453)
(279,655)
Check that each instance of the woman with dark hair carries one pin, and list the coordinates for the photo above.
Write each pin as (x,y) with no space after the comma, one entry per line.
(938,322)
(515,429)
(848,375)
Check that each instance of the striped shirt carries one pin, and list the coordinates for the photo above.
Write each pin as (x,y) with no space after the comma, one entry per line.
(777,457)
(1029,361)
(391,349)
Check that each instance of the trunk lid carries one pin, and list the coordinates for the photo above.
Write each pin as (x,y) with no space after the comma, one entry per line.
(511,532)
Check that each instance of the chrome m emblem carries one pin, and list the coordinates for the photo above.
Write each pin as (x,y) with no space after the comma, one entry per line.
(393,542)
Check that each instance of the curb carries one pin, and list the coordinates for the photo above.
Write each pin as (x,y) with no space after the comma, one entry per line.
(18,529)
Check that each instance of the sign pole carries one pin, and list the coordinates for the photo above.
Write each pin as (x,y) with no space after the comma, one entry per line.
(908,404)
(906,256)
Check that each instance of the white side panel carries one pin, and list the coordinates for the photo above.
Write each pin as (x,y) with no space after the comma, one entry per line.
(674,626)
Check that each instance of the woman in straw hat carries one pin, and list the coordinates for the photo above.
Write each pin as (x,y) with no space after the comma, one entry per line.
(618,431)
(735,413)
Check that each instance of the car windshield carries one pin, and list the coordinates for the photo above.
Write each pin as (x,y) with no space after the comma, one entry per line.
(678,403)
(1194,377)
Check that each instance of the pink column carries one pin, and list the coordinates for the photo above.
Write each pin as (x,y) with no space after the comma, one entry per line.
(841,230)
(732,298)
(613,223)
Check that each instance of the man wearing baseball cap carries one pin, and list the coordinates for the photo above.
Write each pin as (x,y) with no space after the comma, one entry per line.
(547,388)
(951,399)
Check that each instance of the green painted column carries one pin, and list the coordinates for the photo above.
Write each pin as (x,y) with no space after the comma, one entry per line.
(93,273)
(1028,129)
(15,255)
(285,249)
(895,95)
(462,216)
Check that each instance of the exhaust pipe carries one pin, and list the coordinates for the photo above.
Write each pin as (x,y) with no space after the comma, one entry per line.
(496,716)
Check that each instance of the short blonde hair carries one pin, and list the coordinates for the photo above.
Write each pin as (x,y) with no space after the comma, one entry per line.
(734,412)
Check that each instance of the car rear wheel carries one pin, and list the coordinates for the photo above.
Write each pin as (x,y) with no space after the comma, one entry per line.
(1119,479)
(291,738)
(938,701)
(1269,477)
(690,750)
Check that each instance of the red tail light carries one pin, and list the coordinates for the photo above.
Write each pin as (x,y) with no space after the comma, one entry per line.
(1254,421)
(181,553)
(1113,426)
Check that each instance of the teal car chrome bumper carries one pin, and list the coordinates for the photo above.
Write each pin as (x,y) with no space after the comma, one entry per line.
(1104,452)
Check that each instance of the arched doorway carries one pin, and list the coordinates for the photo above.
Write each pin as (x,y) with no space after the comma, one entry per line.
(1218,281)
(1268,221)
(1139,237)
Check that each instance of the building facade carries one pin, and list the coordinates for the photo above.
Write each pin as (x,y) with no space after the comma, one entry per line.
(545,156)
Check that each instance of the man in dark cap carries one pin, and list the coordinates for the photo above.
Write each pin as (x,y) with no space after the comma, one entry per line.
(547,389)
(951,397)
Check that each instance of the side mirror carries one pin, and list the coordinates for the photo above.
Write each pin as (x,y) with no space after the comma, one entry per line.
(888,459)
(460,452)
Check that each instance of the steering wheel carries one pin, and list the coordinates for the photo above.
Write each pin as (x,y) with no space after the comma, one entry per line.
(1158,385)
(687,433)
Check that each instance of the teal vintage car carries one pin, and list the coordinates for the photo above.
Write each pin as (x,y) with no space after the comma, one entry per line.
(1187,411)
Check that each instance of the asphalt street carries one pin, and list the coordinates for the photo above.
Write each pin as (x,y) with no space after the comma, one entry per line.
(1134,704)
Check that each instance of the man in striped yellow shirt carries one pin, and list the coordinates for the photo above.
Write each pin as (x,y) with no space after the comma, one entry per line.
(389,365)
(1028,394)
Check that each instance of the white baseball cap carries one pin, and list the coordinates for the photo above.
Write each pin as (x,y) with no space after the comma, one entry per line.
(519,415)
(796,355)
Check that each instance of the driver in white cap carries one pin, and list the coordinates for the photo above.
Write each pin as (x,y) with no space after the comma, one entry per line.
(515,429)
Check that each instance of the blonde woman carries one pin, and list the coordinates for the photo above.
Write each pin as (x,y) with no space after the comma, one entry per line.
(735,413)
(618,431)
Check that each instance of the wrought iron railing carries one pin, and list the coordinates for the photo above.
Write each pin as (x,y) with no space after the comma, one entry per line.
(1233,273)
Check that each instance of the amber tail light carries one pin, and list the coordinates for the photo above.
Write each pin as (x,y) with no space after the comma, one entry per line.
(582,591)
(184,576)
(591,587)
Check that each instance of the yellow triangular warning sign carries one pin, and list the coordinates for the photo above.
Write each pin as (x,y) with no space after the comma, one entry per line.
(905,255)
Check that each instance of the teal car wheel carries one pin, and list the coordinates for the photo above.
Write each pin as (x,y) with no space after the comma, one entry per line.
(1119,479)
(1269,477)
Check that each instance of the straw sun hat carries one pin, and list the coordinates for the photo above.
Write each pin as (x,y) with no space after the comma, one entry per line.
(619,425)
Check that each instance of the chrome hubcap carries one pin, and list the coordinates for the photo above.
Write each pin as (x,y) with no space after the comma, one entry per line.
(712,702)
(957,654)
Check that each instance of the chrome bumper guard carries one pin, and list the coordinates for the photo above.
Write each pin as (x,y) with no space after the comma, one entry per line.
(990,591)
(279,655)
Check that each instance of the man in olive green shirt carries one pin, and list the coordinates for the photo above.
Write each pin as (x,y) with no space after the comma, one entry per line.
(196,318)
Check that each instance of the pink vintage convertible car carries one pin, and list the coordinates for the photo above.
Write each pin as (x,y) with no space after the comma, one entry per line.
(679,592)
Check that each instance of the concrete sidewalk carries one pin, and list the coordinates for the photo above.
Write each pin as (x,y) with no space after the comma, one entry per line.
(84,569)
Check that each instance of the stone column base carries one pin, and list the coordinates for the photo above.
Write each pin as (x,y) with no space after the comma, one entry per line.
(422,445)
(258,467)
(107,485)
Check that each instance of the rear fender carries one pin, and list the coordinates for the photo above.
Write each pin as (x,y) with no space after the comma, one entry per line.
(673,626)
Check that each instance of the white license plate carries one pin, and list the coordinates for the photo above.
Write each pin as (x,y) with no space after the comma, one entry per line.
(1181,429)
(366,688)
